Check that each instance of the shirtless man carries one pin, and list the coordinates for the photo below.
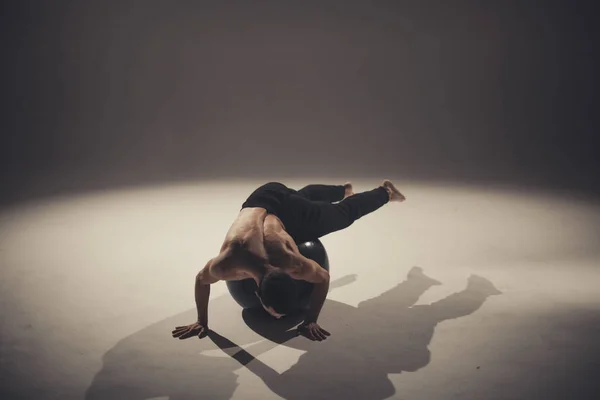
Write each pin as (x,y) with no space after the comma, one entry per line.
(261,244)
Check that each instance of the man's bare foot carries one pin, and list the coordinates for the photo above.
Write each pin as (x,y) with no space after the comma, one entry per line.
(348,191)
(394,193)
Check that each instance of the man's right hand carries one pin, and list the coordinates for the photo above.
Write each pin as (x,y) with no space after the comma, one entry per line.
(195,329)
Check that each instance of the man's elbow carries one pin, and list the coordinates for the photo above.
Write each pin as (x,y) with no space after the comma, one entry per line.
(325,277)
(202,278)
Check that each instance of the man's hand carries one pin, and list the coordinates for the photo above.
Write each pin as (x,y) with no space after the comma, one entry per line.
(313,331)
(195,329)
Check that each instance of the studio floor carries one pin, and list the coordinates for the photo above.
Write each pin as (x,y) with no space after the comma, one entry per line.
(461,292)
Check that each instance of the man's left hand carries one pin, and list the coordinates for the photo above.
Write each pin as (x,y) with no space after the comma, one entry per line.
(313,331)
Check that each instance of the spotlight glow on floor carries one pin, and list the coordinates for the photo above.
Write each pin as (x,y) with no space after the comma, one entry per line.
(91,286)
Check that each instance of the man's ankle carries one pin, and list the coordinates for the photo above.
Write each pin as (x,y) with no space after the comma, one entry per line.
(389,192)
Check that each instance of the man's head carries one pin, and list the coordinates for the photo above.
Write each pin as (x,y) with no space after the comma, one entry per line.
(277,292)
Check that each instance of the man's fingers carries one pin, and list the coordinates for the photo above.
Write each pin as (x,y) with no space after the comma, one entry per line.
(179,332)
(188,334)
(316,334)
(183,328)
(320,334)
(184,332)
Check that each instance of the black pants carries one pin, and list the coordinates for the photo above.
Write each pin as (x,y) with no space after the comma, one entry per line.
(310,213)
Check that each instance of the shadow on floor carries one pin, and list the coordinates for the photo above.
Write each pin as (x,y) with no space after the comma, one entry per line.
(383,335)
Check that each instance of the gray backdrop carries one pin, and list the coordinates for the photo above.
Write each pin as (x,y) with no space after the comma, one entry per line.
(133,92)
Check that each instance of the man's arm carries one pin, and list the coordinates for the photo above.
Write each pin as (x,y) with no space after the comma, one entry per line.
(312,272)
(204,279)
(220,268)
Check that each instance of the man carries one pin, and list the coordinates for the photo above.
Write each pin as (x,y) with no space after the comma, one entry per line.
(261,244)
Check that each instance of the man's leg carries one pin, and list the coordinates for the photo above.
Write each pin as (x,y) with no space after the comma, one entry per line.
(335,217)
(320,218)
(327,193)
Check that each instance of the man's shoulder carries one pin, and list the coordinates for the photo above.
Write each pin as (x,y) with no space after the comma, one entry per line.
(233,266)
(308,270)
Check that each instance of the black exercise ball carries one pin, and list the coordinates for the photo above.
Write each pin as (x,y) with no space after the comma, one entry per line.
(244,291)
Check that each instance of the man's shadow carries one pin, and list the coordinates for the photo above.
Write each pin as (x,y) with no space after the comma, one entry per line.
(383,335)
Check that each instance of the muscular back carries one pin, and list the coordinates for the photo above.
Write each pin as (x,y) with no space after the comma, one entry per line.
(242,253)
(247,232)
(278,244)
(254,242)
(283,253)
